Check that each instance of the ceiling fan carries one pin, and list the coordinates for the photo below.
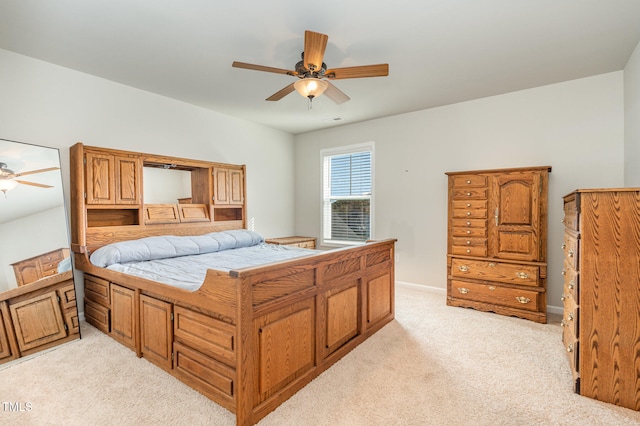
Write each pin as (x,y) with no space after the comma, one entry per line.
(8,181)
(313,74)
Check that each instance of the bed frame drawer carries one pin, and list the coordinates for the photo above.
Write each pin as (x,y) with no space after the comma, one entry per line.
(97,290)
(208,335)
(97,315)
(207,375)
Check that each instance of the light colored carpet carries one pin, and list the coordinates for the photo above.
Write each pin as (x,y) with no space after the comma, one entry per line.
(434,365)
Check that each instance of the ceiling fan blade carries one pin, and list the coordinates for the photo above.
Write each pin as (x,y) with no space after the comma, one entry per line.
(281,93)
(244,65)
(34,184)
(32,172)
(314,47)
(379,70)
(335,94)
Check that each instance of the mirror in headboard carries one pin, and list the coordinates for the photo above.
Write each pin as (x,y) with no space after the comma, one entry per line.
(37,294)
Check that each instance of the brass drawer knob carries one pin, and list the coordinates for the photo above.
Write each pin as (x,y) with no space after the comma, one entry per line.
(570,316)
(468,182)
(468,232)
(570,253)
(468,223)
(492,288)
(468,204)
(523,300)
(570,348)
(563,323)
(468,242)
(522,275)
(562,221)
(463,268)
(564,246)
(571,284)
(564,272)
(563,297)
(468,213)
(468,194)
(463,290)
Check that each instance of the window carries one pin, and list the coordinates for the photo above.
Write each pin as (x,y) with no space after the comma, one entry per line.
(347,175)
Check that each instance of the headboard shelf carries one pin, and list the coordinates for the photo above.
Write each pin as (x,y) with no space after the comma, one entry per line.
(108,197)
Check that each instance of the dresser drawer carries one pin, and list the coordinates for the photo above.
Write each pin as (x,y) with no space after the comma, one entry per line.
(570,219)
(571,249)
(571,346)
(495,271)
(495,294)
(570,314)
(97,290)
(571,280)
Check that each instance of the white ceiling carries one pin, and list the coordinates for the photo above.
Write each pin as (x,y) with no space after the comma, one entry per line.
(439,51)
(25,200)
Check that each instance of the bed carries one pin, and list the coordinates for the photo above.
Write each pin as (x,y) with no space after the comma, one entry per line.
(247,335)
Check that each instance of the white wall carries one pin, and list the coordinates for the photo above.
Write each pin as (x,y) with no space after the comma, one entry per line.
(632,120)
(45,104)
(576,127)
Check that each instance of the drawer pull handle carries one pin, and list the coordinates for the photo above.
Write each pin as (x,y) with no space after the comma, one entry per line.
(522,275)
(564,272)
(468,194)
(563,323)
(570,348)
(468,213)
(570,316)
(562,220)
(571,284)
(463,290)
(523,300)
(496,216)
(492,264)
(570,253)
(564,246)
(563,297)
(492,288)
(468,223)
(463,268)
(468,182)
(468,204)
(469,231)
(468,242)
(468,250)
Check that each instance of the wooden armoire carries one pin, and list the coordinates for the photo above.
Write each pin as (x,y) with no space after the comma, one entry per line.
(497,241)
(601,322)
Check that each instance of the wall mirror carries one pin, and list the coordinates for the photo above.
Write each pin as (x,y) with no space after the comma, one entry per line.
(37,294)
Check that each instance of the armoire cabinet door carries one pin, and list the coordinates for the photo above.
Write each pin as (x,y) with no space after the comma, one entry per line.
(515,216)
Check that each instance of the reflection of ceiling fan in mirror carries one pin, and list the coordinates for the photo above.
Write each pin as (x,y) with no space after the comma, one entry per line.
(8,179)
(312,73)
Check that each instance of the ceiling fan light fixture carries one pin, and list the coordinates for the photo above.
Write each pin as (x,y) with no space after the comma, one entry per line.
(310,87)
(7,185)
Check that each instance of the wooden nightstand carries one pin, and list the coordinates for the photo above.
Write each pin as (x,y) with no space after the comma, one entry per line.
(303,242)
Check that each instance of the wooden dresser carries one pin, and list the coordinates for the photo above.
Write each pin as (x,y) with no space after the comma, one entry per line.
(601,323)
(303,242)
(38,267)
(497,241)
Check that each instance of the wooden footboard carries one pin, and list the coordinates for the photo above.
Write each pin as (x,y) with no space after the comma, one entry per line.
(251,338)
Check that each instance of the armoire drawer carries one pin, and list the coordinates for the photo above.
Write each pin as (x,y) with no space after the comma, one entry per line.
(470,213)
(470,250)
(495,271)
(466,181)
(469,204)
(570,314)
(495,294)
(469,232)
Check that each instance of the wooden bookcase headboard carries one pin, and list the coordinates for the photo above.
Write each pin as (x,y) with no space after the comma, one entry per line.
(108,202)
